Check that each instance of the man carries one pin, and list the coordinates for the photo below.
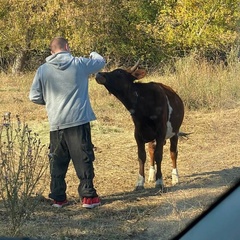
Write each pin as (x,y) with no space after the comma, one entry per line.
(62,85)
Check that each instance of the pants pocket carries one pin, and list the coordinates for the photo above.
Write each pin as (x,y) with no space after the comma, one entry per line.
(88,150)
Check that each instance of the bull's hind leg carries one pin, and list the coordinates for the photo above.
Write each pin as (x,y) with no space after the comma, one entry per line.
(152,172)
(174,154)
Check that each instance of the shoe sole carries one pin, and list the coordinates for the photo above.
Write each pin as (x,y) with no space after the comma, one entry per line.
(90,206)
(59,206)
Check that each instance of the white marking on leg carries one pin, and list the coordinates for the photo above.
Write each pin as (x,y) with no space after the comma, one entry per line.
(152,174)
(140,181)
(175,176)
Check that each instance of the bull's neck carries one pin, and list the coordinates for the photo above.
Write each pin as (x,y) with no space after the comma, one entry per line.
(129,98)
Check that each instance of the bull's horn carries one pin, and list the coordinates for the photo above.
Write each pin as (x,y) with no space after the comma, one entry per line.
(135,66)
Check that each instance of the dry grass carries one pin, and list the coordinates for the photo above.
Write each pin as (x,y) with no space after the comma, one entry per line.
(208,165)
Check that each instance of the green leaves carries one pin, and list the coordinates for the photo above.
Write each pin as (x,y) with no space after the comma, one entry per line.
(120,29)
(199,25)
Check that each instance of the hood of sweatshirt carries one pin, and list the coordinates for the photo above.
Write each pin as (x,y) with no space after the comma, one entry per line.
(60,60)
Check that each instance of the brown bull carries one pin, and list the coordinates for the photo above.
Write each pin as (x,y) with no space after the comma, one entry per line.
(157,112)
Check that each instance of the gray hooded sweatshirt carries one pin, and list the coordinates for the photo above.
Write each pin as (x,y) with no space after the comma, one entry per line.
(62,85)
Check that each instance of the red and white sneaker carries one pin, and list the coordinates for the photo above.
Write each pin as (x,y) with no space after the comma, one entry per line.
(91,202)
(59,204)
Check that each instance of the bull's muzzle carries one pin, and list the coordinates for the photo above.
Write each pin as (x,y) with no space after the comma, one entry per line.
(100,78)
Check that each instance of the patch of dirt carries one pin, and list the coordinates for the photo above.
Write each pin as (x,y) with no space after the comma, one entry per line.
(208,165)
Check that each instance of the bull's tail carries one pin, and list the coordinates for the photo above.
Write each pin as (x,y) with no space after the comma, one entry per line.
(183,135)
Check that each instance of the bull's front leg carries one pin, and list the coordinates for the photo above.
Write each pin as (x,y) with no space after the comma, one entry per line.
(158,154)
(141,160)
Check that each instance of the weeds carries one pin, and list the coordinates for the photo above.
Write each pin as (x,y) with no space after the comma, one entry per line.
(23,163)
(202,84)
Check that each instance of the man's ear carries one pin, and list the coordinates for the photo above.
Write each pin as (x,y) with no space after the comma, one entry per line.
(67,48)
(139,73)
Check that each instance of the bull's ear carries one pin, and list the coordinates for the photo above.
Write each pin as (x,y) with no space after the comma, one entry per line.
(139,73)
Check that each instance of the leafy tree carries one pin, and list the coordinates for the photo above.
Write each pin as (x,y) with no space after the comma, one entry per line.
(121,30)
(20,23)
(206,26)
(28,26)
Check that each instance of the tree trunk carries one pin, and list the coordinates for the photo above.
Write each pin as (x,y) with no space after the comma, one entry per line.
(19,62)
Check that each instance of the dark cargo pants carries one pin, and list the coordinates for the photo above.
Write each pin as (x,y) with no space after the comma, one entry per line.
(71,143)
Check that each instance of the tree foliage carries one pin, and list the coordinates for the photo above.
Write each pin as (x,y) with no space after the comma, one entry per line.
(121,30)
(197,24)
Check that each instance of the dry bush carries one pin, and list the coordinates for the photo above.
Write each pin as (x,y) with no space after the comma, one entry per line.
(23,164)
(203,85)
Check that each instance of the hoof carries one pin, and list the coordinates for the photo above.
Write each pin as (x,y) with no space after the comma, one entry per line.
(159,184)
(174,183)
(138,188)
(161,188)
(151,180)
(175,180)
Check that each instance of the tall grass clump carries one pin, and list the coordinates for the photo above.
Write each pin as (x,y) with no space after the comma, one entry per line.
(205,85)
(23,163)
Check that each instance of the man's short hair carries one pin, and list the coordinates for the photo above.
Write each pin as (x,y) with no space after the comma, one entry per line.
(58,43)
